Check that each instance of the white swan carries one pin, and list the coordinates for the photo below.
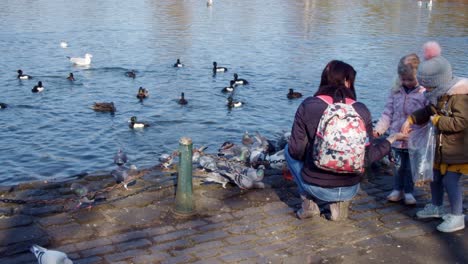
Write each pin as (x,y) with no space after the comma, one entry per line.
(82,61)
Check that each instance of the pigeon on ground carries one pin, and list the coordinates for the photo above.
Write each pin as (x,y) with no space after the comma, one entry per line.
(45,256)
(120,158)
(81,191)
(197,153)
(124,174)
(276,160)
(166,160)
(208,163)
(217,178)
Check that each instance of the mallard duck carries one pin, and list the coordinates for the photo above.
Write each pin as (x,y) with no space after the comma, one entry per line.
(292,94)
(38,88)
(182,100)
(178,64)
(22,76)
(131,74)
(71,77)
(231,103)
(142,93)
(218,69)
(3,105)
(135,124)
(104,107)
(81,61)
(239,81)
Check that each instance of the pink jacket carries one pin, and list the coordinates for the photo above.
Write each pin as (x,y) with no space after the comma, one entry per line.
(399,106)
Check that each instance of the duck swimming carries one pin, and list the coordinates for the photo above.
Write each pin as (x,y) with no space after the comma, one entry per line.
(142,93)
(218,69)
(293,95)
(178,64)
(22,76)
(230,88)
(131,74)
(135,124)
(231,103)
(182,100)
(104,107)
(38,88)
(3,105)
(239,81)
(71,77)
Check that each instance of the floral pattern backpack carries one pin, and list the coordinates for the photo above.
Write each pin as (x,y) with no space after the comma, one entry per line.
(341,138)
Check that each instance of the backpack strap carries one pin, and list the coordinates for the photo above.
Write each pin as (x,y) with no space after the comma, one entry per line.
(329,100)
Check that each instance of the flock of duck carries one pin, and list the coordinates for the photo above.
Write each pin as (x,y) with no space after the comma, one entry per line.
(144,93)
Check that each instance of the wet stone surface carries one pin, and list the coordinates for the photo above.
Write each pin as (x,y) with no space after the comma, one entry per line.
(229,225)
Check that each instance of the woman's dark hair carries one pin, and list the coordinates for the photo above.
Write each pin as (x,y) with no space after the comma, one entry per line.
(333,80)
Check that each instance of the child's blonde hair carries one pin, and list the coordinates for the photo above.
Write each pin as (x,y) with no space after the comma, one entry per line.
(408,65)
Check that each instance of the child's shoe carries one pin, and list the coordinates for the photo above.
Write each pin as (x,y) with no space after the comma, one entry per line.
(409,199)
(339,211)
(309,208)
(395,196)
(430,211)
(452,223)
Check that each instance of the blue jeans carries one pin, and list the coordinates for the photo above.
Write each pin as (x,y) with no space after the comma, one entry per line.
(453,186)
(324,194)
(403,178)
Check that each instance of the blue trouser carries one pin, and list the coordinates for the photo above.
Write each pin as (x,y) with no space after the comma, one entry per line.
(403,179)
(452,184)
(324,194)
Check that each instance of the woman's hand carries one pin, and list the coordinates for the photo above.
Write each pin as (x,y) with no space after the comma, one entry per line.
(406,127)
(375,134)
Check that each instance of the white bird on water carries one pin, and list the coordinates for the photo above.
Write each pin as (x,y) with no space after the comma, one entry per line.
(209,2)
(45,256)
(81,61)
(63,44)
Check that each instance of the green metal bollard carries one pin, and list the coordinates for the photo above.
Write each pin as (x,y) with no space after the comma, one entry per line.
(184,196)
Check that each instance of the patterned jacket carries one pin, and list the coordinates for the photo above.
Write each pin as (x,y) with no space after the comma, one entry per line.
(397,109)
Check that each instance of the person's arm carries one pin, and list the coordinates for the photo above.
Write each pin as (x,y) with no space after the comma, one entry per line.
(298,141)
(458,120)
(386,119)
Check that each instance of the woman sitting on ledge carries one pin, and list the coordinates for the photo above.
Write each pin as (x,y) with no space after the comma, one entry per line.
(332,188)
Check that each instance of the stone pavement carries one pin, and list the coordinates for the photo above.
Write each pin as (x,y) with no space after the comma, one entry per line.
(230,225)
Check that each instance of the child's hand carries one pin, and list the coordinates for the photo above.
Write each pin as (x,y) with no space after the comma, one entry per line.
(406,127)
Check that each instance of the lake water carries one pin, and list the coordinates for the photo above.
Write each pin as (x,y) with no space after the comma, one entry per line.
(275,44)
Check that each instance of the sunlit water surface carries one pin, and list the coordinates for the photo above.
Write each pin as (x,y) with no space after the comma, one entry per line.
(275,44)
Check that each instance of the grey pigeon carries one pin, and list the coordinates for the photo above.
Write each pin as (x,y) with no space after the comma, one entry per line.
(123,174)
(166,160)
(45,256)
(240,180)
(120,158)
(81,191)
(208,163)
(254,174)
(277,160)
(197,153)
(246,139)
(217,178)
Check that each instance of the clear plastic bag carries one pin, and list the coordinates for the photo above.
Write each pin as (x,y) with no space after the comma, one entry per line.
(421,147)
